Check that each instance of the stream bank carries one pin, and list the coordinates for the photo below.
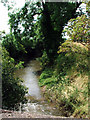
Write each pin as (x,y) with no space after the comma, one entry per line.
(16,114)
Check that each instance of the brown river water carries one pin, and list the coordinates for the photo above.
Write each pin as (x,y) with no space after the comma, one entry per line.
(36,103)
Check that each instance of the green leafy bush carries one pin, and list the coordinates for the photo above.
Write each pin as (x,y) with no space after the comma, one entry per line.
(73,55)
(13,92)
(78,29)
(66,84)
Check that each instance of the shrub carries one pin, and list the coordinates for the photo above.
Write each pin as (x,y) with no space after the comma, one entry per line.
(13,92)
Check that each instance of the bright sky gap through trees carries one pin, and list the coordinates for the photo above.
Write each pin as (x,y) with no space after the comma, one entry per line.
(19,4)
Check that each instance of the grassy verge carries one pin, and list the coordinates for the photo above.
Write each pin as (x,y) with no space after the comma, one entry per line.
(66,82)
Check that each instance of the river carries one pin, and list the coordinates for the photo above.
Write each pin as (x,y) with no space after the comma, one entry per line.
(36,103)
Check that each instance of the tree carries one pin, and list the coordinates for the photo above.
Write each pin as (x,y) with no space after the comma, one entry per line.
(27,36)
(53,18)
(21,38)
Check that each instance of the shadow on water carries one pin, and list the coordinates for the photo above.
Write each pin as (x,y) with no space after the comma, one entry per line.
(36,103)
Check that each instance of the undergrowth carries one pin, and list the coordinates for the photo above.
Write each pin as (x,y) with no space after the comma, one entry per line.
(66,83)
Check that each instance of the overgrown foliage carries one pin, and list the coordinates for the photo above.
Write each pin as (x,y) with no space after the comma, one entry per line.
(37,29)
(21,39)
(66,82)
(53,18)
(78,29)
(13,92)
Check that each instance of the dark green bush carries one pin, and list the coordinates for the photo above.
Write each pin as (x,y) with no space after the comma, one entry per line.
(13,92)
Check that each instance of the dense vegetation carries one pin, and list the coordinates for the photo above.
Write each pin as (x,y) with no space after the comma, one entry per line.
(36,31)
(66,83)
(13,92)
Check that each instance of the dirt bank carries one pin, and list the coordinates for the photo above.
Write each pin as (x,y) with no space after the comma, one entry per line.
(15,114)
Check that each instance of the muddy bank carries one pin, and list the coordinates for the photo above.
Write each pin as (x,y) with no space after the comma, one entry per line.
(15,114)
